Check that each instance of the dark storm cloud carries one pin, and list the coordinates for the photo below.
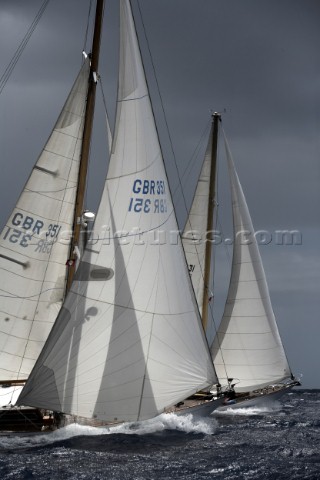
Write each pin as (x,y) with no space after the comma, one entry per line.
(258,60)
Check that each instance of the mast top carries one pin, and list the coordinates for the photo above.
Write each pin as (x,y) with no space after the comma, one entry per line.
(216,115)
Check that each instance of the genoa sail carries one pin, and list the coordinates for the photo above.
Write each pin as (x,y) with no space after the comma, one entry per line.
(35,242)
(195,231)
(247,346)
(128,341)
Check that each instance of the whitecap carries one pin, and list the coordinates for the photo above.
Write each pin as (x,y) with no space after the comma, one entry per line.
(248,411)
(183,423)
(168,421)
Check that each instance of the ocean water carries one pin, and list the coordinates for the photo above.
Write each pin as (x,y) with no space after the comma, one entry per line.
(281,441)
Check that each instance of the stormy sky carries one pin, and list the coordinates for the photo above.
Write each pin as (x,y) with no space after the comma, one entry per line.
(256,61)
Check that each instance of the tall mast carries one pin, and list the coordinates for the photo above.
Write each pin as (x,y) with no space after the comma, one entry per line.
(86,137)
(216,117)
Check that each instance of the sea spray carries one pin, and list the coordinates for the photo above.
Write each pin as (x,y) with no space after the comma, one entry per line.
(270,407)
(182,423)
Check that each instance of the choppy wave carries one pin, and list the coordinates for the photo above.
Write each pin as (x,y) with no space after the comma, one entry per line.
(250,411)
(279,441)
(164,422)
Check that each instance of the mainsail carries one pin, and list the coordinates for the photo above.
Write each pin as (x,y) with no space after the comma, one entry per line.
(35,242)
(247,346)
(128,341)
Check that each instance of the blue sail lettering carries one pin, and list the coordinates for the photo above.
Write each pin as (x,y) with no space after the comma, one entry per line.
(137,186)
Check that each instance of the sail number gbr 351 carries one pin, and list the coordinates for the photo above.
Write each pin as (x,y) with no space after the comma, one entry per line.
(26,230)
(151,196)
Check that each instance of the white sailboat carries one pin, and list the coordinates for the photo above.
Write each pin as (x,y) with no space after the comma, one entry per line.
(247,350)
(128,341)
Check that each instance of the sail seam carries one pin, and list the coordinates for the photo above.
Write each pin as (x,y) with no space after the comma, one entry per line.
(144,169)
(133,99)
(125,307)
(45,193)
(44,217)
(59,131)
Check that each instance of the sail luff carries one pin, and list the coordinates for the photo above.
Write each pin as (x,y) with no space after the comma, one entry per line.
(247,346)
(85,150)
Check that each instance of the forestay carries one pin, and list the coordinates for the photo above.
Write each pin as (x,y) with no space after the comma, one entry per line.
(129,340)
(35,242)
(247,345)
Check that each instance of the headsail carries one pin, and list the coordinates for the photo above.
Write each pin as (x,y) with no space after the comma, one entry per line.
(197,234)
(34,243)
(129,340)
(247,346)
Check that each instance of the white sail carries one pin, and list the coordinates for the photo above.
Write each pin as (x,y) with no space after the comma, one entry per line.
(247,346)
(34,243)
(128,341)
(195,231)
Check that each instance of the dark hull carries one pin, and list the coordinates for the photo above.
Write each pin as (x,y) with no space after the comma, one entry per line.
(25,419)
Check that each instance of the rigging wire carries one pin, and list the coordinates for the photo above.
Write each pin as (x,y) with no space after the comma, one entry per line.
(8,71)
(107,129)
(180,184)
(98,82)
(188,169)
(195,153)
(163,110)
(110,138)
(87,28)
(85,40)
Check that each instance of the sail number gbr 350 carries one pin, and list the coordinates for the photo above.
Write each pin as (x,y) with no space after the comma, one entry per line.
(151,196)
